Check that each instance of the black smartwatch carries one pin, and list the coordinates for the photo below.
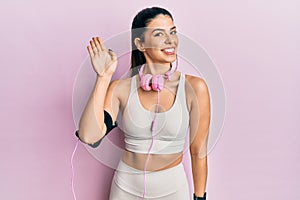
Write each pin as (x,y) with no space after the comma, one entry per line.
(200,198)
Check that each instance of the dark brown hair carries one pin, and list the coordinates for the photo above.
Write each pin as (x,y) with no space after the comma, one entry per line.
(140,21)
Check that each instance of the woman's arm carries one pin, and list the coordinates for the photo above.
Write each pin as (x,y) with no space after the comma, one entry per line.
(94,122)
(199,129)
(91,126)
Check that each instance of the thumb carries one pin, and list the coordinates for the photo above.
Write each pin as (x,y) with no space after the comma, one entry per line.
(112,54)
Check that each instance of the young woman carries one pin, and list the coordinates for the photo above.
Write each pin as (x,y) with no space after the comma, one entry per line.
(151,166)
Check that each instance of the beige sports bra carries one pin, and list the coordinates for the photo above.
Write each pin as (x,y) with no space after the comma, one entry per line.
(171,126)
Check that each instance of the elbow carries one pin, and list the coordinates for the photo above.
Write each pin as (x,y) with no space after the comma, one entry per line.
(199,153)
(87,137)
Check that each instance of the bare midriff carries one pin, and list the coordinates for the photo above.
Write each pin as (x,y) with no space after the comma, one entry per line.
(156,162)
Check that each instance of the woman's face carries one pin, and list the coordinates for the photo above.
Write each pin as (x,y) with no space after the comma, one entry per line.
(160,40)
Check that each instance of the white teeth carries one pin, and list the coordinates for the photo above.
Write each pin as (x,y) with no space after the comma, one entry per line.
(169,50)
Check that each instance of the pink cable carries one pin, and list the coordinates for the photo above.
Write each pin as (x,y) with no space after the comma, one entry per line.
(73,169)
(152,130)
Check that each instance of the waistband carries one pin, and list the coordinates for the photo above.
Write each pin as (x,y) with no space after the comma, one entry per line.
(158,183)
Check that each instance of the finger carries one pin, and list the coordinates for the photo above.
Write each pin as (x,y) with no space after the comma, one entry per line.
(112,54)
(101,44)
(97,44)
(90,51)
(94,46)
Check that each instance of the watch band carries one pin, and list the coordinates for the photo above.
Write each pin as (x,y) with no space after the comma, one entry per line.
(200,198)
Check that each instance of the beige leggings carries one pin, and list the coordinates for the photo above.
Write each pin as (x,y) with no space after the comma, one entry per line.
(168,184)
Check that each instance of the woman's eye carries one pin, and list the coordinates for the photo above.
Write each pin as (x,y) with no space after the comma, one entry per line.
(158,34)
(173,32)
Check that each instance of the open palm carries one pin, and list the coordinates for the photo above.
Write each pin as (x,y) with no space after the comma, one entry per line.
(104,61)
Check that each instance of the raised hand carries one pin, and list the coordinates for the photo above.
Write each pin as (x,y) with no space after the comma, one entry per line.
(104,61)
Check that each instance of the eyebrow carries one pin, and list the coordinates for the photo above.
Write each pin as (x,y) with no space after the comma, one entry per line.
(160,29)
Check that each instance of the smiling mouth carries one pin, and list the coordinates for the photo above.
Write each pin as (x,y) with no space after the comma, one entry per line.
(169,50)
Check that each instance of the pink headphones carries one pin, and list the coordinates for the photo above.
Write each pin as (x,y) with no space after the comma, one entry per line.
(156,81)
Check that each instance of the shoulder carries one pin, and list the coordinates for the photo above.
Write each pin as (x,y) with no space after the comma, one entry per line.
(196,83)
(119,86)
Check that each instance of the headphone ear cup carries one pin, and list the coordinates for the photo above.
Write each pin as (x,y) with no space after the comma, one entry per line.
(145,82)
(157,82)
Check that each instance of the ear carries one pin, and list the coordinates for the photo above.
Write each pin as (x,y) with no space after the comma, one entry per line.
(139,44)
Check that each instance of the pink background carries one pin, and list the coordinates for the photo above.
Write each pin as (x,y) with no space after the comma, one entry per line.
(255,45)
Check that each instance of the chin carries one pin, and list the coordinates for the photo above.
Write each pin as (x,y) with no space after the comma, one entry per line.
(171,60)
(165,59)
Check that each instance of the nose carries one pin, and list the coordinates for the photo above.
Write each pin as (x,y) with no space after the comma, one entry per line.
(168,39)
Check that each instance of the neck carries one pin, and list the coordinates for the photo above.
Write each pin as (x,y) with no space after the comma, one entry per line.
(157,68)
